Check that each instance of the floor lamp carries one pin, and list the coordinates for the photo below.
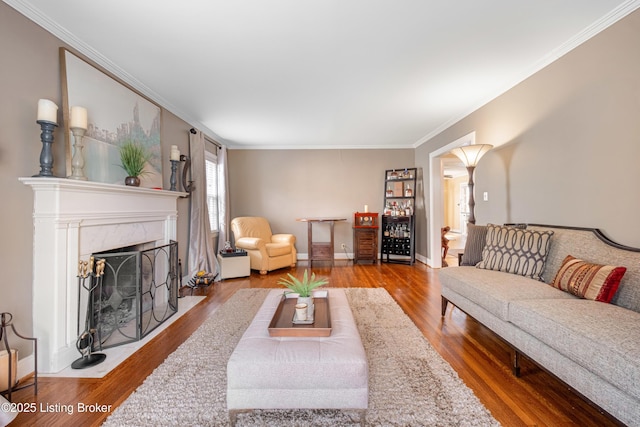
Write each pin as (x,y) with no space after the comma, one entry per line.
(470,156)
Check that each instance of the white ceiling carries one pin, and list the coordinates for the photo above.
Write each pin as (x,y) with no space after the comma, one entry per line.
(323,73)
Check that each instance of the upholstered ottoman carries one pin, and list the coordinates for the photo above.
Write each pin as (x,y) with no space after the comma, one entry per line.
(267,372)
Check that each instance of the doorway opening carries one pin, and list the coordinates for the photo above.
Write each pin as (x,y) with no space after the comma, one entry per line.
(456,209)
(436,218)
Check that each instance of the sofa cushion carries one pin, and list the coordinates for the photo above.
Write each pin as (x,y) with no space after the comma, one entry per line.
(493,290)
(603,338)
(587,280)
(516,251)
(476,239)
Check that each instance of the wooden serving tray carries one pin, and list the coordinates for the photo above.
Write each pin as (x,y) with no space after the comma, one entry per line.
(282,322)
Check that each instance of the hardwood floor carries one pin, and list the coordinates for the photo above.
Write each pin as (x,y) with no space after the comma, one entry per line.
(481,359)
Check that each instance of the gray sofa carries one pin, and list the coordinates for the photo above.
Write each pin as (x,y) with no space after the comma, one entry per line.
(592,346)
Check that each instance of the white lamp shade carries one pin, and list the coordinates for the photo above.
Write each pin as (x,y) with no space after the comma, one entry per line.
(471,154)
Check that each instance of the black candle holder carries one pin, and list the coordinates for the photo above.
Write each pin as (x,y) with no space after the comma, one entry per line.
(46,155)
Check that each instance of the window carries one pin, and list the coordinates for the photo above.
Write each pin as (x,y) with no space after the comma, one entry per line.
(211,172)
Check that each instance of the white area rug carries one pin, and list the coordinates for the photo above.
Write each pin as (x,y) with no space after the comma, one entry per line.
(409,383)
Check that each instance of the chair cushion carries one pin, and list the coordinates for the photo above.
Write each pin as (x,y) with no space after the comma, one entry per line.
(277,249)
(251,227)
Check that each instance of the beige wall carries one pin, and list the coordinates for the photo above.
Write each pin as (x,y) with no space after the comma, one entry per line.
(30,70)
(569,141)
(283,185)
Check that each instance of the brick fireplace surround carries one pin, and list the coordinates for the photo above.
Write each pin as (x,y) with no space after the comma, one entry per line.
(73,219)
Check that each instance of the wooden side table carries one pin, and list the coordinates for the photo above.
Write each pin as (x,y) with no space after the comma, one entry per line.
(365,237)
(365,244)
(320,251)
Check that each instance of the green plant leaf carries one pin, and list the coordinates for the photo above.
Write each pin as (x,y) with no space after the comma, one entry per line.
(133,157)
(302,287)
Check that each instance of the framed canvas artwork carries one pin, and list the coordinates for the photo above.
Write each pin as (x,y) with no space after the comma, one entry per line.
(116,114)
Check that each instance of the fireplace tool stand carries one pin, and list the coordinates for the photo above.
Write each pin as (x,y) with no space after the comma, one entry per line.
(89,280)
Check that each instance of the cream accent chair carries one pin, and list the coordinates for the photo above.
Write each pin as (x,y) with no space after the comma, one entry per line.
(266,251)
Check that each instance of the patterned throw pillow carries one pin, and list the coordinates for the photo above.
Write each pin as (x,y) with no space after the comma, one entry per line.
(586,280)
(476,237)
(517,251)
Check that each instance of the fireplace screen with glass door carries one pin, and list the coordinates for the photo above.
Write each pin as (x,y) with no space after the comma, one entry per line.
(139,291)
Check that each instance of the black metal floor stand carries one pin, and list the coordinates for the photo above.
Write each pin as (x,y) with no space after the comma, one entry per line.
(6,322)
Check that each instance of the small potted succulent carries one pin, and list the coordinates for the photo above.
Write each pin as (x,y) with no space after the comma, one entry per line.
(134,158)
(303,287)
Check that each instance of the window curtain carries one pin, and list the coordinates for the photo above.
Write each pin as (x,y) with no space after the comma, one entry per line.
(201,252)
(223,198)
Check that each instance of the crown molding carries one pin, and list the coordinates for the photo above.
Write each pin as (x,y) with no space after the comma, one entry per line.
(320,147)
(28,10)
(37,16)
(601,24)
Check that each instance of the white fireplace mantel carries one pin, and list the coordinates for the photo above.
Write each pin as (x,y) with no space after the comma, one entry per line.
(73,219)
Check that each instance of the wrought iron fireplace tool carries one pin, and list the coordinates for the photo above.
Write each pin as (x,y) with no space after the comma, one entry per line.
(90,281)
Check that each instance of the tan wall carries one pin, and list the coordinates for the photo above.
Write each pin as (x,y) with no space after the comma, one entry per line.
(30,70)
(569,141)
(283,185)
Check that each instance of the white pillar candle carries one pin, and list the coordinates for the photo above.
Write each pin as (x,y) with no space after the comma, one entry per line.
(78,118)
(175,153)
(366,208)
(47,111)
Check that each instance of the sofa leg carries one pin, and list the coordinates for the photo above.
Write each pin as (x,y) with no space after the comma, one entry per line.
(516,363)
(443,305)
(263,271)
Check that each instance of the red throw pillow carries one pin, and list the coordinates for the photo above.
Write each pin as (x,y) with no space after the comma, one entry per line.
(587,280)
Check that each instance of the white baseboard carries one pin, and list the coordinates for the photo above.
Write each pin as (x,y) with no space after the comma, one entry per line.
(337,255)
(349,256)
(425,260)
(25,366)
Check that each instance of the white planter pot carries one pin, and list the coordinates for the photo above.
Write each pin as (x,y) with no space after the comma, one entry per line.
(308,301)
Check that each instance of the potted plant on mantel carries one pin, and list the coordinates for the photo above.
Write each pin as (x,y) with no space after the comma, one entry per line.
(133,157)
(303,287)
